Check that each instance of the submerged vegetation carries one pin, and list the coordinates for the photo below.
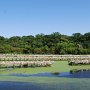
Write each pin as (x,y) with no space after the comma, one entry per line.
(54,43)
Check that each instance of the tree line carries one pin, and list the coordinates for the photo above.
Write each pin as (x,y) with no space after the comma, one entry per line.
(54,43)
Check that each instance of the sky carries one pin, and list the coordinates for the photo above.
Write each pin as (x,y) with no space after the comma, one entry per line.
(31,17)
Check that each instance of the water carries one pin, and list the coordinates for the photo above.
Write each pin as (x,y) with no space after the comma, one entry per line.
(4,85)
(74,84)
(45,86)
(82,74)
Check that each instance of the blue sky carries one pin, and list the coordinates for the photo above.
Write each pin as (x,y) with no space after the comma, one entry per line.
(31,17)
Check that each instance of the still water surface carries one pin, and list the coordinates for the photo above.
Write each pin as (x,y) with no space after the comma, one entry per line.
(4,85)
(83,74)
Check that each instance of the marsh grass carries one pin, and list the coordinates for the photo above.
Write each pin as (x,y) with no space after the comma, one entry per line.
(58,66)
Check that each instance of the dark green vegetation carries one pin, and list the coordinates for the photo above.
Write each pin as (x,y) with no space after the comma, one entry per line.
(47,44)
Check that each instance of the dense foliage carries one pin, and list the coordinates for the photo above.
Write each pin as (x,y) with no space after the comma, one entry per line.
(54,43)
